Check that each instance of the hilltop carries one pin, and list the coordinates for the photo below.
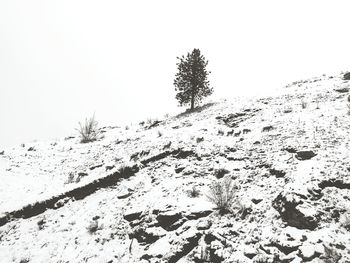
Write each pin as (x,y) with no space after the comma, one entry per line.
(139,193)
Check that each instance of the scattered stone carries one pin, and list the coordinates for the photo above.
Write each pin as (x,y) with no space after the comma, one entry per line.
(132,214)
(219,173)
(295,211)
(250,252)
(154,233)
(286,246)
(346,76)
(307,252)
(189,240)
(169,220)
(342,89)
(204,224)
(290,149)
(277,173)
(256,200)
(195,212)
(123,192)
(61,202)
(305,155)
(96,166)
(158,249)
(179,168)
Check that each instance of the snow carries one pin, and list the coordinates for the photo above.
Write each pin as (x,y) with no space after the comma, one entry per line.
(57,166)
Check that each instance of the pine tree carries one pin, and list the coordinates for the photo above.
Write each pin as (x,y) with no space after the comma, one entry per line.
(191,83)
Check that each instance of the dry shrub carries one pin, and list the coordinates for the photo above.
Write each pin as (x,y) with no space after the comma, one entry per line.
(88,131)
(223,194)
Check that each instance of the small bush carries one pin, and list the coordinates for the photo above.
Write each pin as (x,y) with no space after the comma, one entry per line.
(303,104)
(88,131)
(222,193)
(92,227)
(330,255)
(345,221)
(194,192)
(70,179)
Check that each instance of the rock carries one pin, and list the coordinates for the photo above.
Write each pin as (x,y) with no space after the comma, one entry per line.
(183,154)
(307,251)
(61,202)
(168,219)
(219,173)
(277,173)
(295,211)
(146,235)
(179,168)
(305,155)
(95,166)
(290,149)
(346,76)
(123,192)
(204,224)
(198,211)
(132,214)
(286,246)
(343,88)
(188,241)
(250,252)
(156,232)
(159,249)
(256,200)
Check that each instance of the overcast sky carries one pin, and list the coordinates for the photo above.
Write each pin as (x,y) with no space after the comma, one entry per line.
(61,61)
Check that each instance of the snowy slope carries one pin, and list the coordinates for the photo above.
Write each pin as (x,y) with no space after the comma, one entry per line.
(289,163)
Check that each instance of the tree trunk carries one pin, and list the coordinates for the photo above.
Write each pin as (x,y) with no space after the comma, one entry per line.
(192,101)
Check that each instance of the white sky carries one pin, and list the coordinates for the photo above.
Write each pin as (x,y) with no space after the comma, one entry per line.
(61,61)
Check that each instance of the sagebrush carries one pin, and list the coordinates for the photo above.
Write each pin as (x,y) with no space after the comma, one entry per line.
(89,130)
(223,194)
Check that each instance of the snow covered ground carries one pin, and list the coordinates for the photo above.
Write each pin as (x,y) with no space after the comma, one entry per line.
(288,156)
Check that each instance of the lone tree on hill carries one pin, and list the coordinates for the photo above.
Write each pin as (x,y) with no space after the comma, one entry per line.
(191,83)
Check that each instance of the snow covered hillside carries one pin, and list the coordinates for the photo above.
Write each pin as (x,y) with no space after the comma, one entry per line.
(140,193)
